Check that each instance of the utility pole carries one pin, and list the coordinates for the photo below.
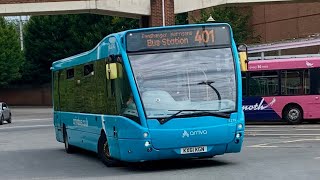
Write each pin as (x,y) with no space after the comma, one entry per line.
(21,33)
(163,14)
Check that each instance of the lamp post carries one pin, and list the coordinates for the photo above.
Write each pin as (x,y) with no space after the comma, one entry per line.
(210,19)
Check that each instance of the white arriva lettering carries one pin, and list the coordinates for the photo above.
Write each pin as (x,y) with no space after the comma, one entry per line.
(79,122)
(198,132)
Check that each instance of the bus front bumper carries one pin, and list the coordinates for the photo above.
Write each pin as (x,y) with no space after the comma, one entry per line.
(142,150)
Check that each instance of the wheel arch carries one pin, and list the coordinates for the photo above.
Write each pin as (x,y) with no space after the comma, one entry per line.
(290,105)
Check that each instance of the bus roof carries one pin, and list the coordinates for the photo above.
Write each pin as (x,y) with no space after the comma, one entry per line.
(95,53)
(278,64)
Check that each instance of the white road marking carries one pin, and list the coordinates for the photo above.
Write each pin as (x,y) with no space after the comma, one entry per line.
(283,126)
(317,158)
(273,130)
(21,127)
(266,145)
(254,134)
(262,146)
(27,120)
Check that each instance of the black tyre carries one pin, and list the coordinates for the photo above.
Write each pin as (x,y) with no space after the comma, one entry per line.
(10,119)
(104,154)
(293,115)
(1,120)
(69,148)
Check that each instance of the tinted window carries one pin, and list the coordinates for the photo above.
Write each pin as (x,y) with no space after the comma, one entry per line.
(244,84)
(264,83)
(128,105)
(315,81)
(295,82)
(70,73)
(88,69)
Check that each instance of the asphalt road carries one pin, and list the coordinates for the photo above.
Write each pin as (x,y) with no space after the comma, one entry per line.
(28,150)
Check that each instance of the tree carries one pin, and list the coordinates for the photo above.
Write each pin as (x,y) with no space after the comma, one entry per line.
(181,19)
(239,22)
(50,38)
(11,57)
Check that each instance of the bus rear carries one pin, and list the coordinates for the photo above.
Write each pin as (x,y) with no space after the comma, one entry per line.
(186,84)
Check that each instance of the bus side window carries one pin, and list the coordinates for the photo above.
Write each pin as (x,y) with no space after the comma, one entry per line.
(315,81)
(264,83)
(244,83)
(127,104)
(292,82)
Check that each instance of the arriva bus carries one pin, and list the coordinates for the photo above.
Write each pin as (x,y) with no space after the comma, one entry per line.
(282,87)
(150,94)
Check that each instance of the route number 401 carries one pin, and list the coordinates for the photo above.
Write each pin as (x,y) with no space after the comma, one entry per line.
(204,36)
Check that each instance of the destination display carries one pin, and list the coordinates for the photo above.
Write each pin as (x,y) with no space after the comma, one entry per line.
(186,37)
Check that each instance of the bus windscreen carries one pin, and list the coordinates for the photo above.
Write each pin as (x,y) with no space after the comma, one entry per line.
(184,37)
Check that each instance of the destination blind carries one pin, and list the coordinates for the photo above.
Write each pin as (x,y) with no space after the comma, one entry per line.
(174,38)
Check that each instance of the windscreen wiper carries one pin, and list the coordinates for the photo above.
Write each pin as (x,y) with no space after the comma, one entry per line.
(197,113)
(209,83)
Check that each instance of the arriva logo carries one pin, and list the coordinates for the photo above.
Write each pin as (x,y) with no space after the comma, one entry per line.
(258,106)
(185,134)
(194,133)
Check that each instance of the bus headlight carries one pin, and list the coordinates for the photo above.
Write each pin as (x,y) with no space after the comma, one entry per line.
(240,126)
(145,135)
(147,144)
(238,135)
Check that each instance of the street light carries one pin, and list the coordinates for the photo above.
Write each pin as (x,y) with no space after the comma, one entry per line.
(210,19)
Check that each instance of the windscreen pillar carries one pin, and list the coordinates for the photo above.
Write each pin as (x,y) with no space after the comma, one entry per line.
(157,17)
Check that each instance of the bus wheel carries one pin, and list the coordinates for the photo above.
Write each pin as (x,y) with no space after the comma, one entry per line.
(69,148)
(104,153)
(293,114)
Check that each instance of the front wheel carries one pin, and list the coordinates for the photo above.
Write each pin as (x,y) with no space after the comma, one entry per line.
(293,115)
(104,153)
(9,119)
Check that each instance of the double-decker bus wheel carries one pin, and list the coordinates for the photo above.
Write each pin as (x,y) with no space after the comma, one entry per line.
(293,114)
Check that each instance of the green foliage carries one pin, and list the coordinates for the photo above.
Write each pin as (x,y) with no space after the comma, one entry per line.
(238,21)
(11,57)
(50,38)
(181,19)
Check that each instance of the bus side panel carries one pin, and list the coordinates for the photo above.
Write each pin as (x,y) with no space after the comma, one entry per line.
(57,126)
(260,109)
(109,126)
(83,129)
(309,103)
(120,128)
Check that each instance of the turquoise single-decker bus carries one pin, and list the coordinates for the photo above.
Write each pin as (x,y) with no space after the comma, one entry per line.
(155,93)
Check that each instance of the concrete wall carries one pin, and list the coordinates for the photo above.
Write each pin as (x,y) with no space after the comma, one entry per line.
(127,8)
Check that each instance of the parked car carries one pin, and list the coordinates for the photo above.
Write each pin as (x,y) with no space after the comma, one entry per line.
(5,113)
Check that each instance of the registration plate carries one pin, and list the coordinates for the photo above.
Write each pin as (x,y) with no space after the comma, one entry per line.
(190,150)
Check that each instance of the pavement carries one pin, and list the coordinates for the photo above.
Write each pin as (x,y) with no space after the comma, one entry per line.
(28,150)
